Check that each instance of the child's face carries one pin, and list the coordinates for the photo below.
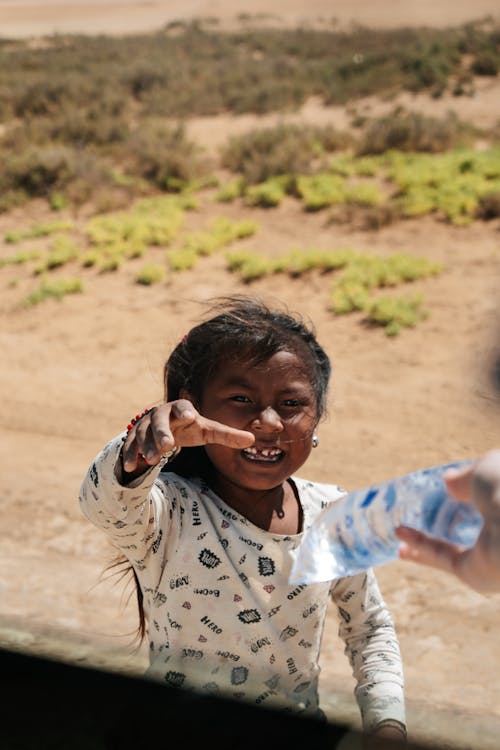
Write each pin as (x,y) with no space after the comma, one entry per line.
(275,401)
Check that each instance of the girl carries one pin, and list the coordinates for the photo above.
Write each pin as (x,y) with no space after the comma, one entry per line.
(201,496)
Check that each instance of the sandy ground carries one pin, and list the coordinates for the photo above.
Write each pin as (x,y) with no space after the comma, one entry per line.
(74,372)
(22,18)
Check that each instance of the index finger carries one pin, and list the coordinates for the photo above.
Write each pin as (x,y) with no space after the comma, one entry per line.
(221,434)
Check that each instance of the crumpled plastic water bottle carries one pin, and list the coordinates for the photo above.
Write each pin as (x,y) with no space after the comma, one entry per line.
(357,531)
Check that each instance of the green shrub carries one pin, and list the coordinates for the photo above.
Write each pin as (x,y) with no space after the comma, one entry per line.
(58,201)
(364,194)
(231,191)
(63,250)
(450,184)
(38,230)
(110,263)
(249,266)
(22,256)
(150,274)
(151,221)
(91,258)
(349,297)
(220,233)
(321,190)
(394,313)
(182,258)
(267,194)
(53,289)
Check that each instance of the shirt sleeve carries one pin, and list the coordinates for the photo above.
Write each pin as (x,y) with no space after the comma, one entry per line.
(137,517)
(372,647)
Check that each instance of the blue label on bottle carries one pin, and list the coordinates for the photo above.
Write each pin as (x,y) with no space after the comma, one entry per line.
(430,509)
(390,497)
(370,497)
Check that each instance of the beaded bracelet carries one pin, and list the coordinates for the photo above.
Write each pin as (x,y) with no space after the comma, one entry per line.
(137,418)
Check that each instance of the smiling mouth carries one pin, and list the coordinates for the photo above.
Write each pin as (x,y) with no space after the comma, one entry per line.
(265,455)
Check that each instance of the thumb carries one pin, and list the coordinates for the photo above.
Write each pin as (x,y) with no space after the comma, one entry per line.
(459,483)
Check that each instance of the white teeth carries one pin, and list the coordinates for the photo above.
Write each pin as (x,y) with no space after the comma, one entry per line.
(263,453)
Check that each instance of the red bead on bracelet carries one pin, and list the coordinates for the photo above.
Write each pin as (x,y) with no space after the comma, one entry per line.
(137,418)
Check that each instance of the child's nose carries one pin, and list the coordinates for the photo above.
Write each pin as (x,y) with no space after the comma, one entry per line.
(269,419)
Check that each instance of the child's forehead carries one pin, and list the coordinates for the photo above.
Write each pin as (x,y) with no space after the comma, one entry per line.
(288,364)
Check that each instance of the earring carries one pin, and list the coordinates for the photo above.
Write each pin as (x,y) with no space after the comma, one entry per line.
(315,441)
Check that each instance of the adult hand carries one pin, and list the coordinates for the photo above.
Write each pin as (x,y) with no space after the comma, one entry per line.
(478,566)
(176,424)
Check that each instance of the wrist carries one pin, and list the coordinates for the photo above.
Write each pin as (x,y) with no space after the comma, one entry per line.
(390,729)
(143,467)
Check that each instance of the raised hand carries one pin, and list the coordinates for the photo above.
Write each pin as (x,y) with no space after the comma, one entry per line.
(176,424)
(479,566)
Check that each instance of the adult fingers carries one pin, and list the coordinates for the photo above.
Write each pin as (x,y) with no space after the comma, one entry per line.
(420,548)
(479,483)
(459,483)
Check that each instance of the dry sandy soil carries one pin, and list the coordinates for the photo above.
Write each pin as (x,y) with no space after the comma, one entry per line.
(24,18)
(74,372)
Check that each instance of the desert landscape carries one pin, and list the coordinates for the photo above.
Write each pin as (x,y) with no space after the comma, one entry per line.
(74,371)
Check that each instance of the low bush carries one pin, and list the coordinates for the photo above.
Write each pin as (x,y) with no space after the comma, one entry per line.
(41,171)
(488,206)
(39,230)
(62,251)
(281,150)
(220,233)
(19,258)
(150,221)
(150,274)
(267,194)
(53,289)
(412,131)
(486,63)
(395,313)
(321,190)
(165,156)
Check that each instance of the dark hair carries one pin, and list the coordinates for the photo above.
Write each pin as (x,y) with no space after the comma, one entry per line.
(242,328)
(238,327)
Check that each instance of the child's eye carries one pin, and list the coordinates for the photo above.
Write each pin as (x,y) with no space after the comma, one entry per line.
(240,399)
(292,402)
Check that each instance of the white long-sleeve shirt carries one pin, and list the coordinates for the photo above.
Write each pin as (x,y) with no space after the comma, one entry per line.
(221,614)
